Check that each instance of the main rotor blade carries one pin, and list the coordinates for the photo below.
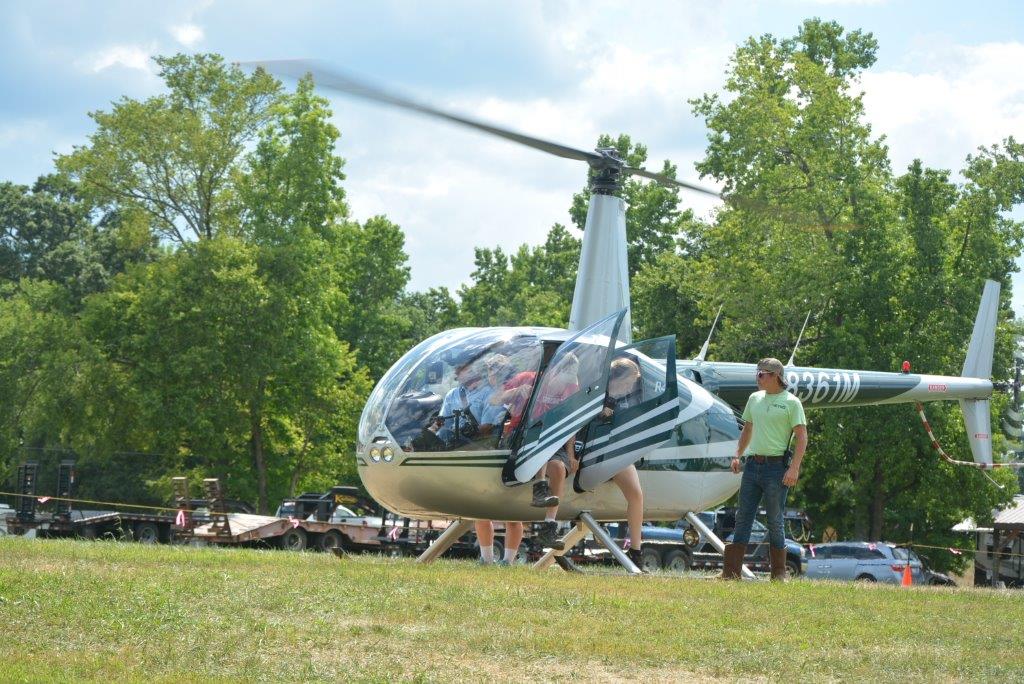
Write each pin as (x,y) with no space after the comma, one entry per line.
(328,77)
(665,180)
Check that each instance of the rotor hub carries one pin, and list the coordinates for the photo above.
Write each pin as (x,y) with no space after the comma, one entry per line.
(606,178)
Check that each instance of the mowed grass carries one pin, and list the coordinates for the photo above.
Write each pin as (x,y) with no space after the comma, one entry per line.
(74,611)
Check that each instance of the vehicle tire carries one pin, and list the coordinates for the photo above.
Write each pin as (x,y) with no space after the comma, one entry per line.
(792,567)
(147,533)
(650,559)
(866,578)
(87,532)
(676,560)
(293,540)
(499,549)
(393,551)
(331,539)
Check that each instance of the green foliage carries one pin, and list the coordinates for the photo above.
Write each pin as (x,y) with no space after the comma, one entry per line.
(890,268)
(534,286)
(174,156)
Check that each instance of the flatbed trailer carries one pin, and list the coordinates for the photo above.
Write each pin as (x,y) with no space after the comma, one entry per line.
(285,533)
(148,528)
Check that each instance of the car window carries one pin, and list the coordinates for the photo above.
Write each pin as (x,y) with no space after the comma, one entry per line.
(822,553)
(867,553)
(844,551)
(899,554)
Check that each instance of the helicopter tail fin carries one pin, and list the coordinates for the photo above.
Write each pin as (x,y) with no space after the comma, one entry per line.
(978,364)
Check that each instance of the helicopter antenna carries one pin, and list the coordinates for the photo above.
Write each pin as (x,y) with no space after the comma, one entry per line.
(704,350)
(798,338)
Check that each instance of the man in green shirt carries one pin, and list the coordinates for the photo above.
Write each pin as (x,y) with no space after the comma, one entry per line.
(771,417)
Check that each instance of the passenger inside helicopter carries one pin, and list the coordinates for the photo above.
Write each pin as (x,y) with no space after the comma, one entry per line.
(467,373)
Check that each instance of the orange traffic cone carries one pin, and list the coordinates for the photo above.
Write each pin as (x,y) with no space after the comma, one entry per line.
(908,579)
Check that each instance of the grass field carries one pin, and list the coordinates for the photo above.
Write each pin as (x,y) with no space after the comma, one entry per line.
(75,611)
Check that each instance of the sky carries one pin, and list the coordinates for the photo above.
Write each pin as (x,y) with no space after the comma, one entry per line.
(947,80)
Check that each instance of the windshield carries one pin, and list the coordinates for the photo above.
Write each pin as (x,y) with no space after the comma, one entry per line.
(454,394)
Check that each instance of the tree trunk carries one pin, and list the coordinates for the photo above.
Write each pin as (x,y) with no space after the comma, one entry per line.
(877,503)
(256,448)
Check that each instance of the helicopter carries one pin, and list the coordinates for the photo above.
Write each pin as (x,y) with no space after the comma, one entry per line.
(681,435)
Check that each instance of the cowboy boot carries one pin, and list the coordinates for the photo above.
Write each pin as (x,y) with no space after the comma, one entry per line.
(732,561)
(778,563)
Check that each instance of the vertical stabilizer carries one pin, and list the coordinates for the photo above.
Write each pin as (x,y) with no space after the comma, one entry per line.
(978,364)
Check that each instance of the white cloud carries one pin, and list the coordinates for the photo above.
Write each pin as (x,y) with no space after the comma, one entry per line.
(125,56)
(187,34)
(21,132)
(963,97)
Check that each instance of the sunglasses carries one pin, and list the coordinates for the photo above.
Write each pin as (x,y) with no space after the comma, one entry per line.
(762,374)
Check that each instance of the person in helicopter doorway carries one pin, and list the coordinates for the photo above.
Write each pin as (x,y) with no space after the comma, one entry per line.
(561,383)
(772,418)
(625,390)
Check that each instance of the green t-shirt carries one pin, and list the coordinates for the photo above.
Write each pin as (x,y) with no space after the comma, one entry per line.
(774,416)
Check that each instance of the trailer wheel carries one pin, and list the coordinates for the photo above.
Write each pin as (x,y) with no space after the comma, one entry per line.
(293,540)
(793,567)
(650,559)
(677,560)
(147,533)
(331,539)
(87,532)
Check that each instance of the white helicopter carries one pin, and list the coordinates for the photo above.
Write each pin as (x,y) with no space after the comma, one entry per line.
(681,436)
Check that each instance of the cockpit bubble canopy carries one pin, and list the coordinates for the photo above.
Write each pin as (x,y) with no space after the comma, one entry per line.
(443,386)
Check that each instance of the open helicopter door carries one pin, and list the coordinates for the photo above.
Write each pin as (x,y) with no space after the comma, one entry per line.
(570,393)
(642,405)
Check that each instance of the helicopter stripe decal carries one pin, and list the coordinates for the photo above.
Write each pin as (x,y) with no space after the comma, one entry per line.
(660,428)
(548,436)
(642,418)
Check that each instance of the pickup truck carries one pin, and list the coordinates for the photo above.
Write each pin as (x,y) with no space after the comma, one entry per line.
(682,547)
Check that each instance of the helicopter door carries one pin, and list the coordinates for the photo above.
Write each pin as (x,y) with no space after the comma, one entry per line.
(569,394)
(639,412)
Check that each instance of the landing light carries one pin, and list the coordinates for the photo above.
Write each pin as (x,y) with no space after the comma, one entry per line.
(375,454)
(388,453)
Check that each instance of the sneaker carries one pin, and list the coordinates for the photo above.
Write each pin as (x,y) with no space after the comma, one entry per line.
(634,555)
(547,535)
(502,562)
(542,496)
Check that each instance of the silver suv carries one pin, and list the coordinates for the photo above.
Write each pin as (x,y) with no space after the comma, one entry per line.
(864,561)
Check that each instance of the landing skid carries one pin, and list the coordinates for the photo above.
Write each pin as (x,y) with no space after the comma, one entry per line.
(584,522)
(715,541)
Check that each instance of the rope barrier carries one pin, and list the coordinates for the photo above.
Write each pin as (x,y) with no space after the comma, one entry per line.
(44,499)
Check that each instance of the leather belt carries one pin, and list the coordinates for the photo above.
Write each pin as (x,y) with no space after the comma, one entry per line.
(758,458)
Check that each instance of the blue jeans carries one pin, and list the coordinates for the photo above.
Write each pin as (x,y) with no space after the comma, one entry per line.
(762,480)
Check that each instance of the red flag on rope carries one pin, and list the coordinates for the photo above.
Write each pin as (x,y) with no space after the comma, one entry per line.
(180,520)
(295,522)
(955,552)
(43,499)
(810,547)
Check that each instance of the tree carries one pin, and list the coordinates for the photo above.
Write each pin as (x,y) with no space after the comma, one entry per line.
(817,223)
(175,156)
